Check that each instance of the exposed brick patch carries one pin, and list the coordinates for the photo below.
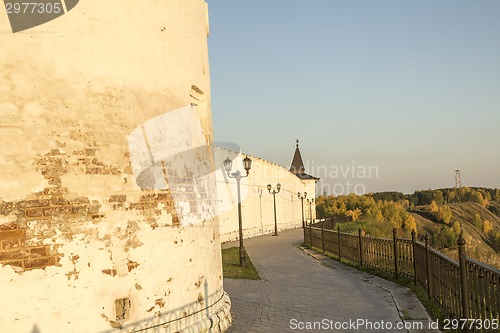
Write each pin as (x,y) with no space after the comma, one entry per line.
(131,265)
(160,302)
(57,206)
(7,235)
(12,244)
(153,202)
(59,201)
(108,271)
(118,198)
(52,166)
(117,201)
(33,203)
(8,226)
(6,207)
(91,165)
(40,263)
(51,191)
(85,152)
(15,253)
(37,219)
(74,259)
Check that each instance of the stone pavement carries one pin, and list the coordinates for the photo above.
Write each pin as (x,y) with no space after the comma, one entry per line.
(302,291)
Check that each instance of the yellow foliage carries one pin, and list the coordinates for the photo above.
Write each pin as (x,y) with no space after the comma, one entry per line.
(355,214)
(434,207)
(487,226)
(444,214)
(410,223)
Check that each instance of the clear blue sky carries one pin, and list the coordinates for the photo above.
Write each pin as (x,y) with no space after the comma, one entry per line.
(410,87)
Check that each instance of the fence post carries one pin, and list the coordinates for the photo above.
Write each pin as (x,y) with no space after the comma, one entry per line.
(338,234)
(394,237)
(323,236)
(428,266)
(413,243)
(360,232)
(463,276)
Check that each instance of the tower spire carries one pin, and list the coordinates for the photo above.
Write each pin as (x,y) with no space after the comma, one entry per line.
(297,163)
(297,166)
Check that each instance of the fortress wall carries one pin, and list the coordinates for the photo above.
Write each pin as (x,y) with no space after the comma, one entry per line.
(83,246)
(257,202)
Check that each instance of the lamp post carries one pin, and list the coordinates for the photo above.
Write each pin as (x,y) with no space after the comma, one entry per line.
(274,192)
(310,202)
(247,164)
(302,199)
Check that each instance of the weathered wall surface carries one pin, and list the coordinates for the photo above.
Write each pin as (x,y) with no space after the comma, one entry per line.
(257,202)
(83,248)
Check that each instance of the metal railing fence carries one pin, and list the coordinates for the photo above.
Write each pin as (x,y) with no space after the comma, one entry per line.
(467,289)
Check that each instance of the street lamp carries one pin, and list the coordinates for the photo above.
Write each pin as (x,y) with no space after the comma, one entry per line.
(274,192)
(302,199)
(228,165)
(310,202)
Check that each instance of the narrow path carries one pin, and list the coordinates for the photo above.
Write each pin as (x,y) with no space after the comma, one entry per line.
(296,290)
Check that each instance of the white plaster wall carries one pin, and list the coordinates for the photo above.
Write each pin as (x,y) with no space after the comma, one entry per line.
(86,80)
(257,202)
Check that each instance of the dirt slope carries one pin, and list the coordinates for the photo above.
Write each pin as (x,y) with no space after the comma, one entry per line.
(479,244)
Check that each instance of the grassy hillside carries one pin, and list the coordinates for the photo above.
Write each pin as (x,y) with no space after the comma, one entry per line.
(494,207)
(473,219)
(424,225)
(442,214)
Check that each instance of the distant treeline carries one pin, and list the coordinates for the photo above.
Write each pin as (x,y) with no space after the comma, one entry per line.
(478,195)
(379,213)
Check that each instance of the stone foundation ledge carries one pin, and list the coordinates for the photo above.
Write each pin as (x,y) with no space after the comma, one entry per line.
(218,321)
(213,319)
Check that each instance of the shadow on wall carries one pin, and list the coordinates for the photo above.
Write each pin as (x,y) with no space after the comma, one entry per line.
(196,317)
(193,315)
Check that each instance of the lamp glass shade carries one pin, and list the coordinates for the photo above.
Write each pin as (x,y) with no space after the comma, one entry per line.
(247,163)
(298,194)
(269,187)
(228,165)
(278,186)
(305,194)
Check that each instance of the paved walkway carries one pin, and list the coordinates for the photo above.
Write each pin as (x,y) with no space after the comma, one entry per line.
(300,289)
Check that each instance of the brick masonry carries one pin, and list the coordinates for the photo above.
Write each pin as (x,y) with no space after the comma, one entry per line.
(22,240)
(39,219)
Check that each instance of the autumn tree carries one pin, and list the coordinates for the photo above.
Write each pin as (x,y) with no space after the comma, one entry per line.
(438,198)
(444,214)
(447,236)
(487,226)
(354,214)
(477,221)
(409,223)
(433,206)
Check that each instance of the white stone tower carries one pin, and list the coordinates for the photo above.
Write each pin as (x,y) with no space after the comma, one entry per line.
(106,199)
